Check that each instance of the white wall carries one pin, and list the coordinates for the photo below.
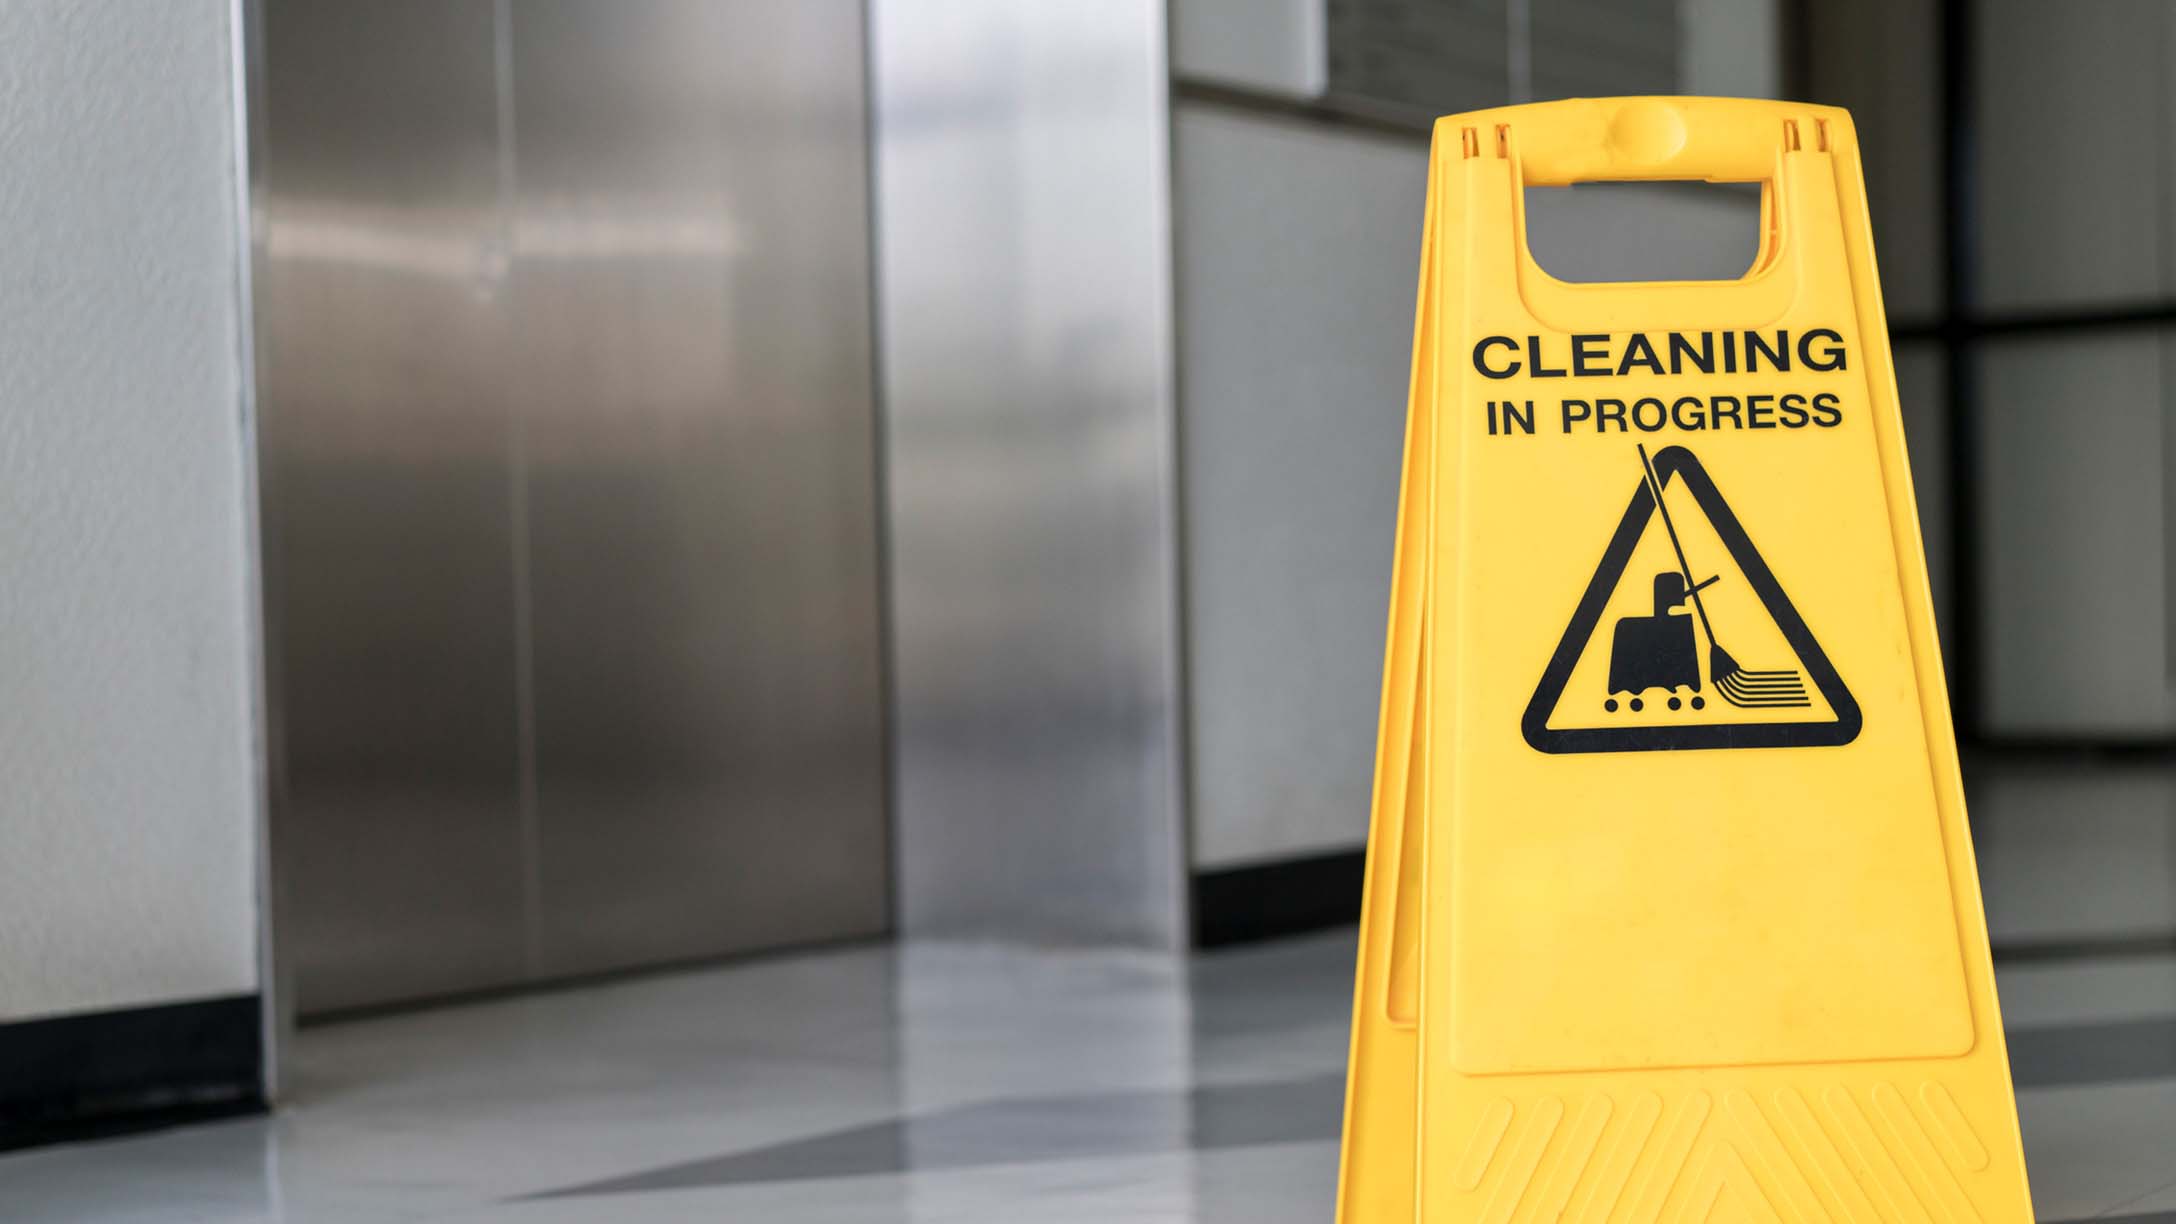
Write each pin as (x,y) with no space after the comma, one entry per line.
(127,814)
(2076,508)
(1298,250)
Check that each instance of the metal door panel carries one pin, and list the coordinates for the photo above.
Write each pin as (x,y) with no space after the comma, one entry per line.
(569,487)
(1026,290)
(387,502)
(691,289)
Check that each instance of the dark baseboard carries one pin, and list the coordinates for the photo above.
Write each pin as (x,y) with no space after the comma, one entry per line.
(1288,897)
(2083,947)
(114,1072)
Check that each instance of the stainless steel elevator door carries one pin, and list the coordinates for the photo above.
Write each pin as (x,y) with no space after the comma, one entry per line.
(569,487)
(691,292)
(387,518)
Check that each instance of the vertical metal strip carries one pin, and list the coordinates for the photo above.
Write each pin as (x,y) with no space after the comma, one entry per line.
(1177,764)
(245,37)
(880,476)
(1184,792)
(517,494)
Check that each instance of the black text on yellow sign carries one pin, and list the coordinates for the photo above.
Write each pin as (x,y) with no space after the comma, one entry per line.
(1671,910)
(1672,355)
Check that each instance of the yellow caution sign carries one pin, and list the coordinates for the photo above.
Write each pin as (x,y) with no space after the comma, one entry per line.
(1671,911)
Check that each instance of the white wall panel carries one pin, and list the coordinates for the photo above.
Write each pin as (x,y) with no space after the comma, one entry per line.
(1298,254)
(2074,152)
(128,821)
(2071,536)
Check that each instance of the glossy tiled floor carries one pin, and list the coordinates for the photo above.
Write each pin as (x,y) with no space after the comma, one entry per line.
(944,1083)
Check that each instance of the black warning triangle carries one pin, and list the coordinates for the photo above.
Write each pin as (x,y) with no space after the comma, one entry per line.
(1677,462)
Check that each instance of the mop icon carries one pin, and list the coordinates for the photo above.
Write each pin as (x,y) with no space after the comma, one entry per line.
(1658,651)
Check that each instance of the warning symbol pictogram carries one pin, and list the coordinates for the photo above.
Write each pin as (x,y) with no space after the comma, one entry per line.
(1643,667)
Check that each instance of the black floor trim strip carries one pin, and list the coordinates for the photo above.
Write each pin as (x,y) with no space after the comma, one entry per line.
(1267,900)
(2107,1053)
(112,1072)
(2102,947)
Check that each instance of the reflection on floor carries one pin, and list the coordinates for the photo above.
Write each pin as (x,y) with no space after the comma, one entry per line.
(951,1083)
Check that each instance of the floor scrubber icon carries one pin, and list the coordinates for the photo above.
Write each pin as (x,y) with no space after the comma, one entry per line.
(1658,651)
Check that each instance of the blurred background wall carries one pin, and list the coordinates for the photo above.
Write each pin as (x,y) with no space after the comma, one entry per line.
(128,842)
(745,473)
(2028,229)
